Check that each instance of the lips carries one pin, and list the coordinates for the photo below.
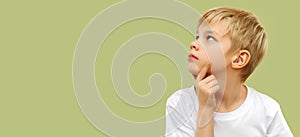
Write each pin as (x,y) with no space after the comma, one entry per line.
(193,56)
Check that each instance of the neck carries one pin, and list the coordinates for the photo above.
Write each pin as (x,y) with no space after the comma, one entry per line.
(234,94)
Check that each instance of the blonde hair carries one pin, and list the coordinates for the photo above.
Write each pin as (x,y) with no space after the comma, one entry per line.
(244,31)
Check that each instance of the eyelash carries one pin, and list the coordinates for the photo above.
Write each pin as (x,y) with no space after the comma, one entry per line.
(209,36)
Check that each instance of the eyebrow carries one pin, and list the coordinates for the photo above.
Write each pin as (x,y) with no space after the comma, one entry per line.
(211,32)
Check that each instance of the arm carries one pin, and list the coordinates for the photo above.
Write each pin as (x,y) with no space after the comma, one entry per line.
(206,130)
(206,89)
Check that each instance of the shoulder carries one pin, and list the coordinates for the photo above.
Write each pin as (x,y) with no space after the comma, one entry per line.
(184,96)
(270,105)
(275,121)
(180,113)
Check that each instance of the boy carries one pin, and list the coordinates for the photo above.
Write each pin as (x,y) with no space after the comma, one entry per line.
(229,45)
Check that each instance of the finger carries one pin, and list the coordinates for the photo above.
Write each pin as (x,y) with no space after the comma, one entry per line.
(213,83)
(215,89)
(208,79)
(202,73)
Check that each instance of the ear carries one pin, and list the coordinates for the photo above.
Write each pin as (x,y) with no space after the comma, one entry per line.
(240,59)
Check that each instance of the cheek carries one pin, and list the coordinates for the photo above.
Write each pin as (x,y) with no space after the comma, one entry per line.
(217,59)
(204,60)
(228,62)
(195,66)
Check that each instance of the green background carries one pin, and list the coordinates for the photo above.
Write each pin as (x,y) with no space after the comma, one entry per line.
(38,40)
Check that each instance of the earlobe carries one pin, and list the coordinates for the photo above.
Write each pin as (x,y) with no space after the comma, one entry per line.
(241,59)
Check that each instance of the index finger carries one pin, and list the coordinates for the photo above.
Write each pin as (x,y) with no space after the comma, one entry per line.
(202,73)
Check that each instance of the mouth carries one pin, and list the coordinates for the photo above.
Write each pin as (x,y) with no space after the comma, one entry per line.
(192,56)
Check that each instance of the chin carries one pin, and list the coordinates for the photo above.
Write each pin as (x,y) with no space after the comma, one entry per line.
(193,69)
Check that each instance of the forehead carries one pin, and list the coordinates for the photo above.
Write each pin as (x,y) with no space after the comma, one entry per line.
(219,28)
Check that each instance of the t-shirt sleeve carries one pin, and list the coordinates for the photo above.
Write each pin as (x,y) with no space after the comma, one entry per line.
(278,126)
(177,124)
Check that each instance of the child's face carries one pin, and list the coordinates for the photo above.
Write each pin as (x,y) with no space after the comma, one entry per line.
(210,52)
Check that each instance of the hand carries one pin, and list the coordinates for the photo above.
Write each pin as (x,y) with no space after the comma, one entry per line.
(206,88)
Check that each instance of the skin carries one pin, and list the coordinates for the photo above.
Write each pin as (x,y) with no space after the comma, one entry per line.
(219,88)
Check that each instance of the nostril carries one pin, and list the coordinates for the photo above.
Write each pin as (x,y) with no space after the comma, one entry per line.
(193,46)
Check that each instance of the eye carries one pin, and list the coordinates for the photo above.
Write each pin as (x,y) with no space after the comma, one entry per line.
(210,38)
(197,37)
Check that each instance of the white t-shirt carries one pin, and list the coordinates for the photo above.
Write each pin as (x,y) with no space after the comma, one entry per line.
(258,116)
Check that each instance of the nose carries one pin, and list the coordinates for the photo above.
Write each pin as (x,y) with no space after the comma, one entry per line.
(194,45)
